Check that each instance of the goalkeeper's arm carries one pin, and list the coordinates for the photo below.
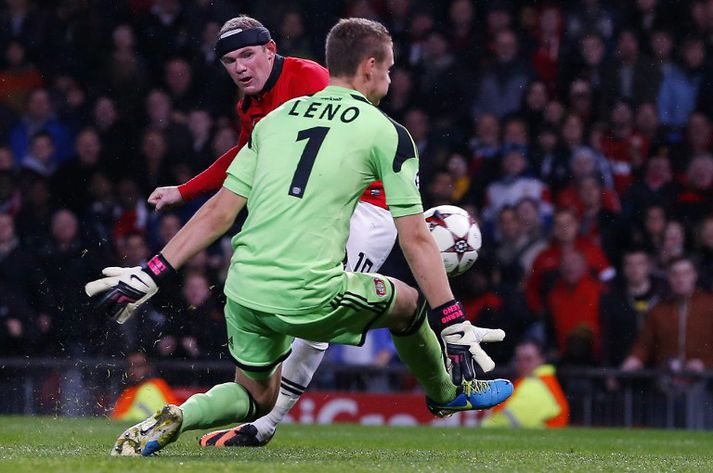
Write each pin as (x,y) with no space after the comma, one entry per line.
(211,221)
(125,289)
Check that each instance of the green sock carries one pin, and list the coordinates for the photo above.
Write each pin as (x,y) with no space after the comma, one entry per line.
(421,352)
(223,404)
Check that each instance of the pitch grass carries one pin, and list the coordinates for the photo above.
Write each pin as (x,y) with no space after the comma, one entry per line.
(49,445)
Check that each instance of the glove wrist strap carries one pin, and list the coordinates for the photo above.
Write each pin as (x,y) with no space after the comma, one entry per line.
(445,315)
(159,269)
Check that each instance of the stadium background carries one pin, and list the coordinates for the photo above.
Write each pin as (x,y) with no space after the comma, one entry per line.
(518,109)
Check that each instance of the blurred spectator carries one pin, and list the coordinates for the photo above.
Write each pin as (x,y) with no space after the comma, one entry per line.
(132,214)
(632,76)
(166,32)
(589,15)
(68,266)
(677,332)
(462,28)
(587,66)
(159,109)
(514,185)
(441,78)
(679,89)
(533,109)
(573,308)
(22,22)
(38,161)
(624,147)
(503,81)
(673,244)
(697,141)
(178,77)
(656,187)
(626,305)
(586,163)
(492,303)
(70,184)
(39,117)
(533,227)
(292,38)
(145,394)
(545,268)
(20,274)
(155,163)
(548,45)
(18,78)
(599,223)
(378,350)
(10,198)
(200,123)
(538,400)
(696,198)
(705,252)
(33,220)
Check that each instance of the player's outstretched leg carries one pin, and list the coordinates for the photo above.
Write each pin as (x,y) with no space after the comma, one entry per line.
(420,350)
(150,435)
(222,404)
(297,372)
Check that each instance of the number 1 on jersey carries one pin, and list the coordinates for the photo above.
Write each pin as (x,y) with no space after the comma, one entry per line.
(315,137)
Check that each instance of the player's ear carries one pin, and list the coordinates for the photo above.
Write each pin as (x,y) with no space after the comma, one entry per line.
(271,47)
(367,67)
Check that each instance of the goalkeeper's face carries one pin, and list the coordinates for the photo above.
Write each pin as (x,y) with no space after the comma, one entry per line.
(249,67)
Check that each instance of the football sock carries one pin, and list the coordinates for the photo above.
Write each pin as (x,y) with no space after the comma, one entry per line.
(222,404)
(419,349)
(297,372)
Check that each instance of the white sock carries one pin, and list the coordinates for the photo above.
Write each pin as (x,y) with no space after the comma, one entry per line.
(297,372)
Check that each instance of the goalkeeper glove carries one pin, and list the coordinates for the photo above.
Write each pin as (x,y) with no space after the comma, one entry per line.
(126,289)
(461,341)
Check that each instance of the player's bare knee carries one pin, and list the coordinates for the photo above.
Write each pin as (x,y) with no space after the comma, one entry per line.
(263,392)
(404,307)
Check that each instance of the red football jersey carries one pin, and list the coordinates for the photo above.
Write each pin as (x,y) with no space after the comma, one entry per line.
(290,78)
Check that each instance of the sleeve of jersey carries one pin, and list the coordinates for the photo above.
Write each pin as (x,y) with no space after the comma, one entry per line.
(210,179)
(240,175)
(396,163)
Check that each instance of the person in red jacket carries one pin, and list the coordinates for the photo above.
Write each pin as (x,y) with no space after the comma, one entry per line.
(565,237)
(573,305)
(266,81)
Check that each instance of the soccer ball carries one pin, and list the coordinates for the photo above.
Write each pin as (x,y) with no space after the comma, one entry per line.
(457,236)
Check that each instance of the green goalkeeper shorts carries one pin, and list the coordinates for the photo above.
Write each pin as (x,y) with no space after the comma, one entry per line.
(259,341)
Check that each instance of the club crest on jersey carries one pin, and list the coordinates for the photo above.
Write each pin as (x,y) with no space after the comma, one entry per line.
(380,287)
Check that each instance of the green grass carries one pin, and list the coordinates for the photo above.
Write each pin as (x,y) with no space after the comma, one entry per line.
(47,445)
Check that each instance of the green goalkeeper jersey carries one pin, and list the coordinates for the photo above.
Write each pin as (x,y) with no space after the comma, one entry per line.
(303,171)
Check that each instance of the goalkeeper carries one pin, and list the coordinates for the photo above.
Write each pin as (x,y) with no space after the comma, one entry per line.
(301,176)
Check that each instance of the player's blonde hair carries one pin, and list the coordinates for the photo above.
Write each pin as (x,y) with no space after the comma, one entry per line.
(351,41)
(241,22)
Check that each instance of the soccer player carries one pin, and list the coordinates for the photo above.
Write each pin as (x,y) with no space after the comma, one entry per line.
(267,80)
(301,175)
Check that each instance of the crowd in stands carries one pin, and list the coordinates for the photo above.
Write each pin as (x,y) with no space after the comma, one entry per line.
(579,133)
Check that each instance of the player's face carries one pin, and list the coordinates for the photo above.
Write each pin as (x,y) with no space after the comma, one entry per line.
(380,77)
(249,67)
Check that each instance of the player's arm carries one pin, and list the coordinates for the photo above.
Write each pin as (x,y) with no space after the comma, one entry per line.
(211,221)
(424,259)
(396,164)
(123,290)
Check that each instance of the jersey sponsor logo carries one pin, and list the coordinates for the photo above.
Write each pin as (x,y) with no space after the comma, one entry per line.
(380,287)
(324,111)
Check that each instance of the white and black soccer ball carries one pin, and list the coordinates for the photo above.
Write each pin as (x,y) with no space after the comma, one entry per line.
(457,235)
